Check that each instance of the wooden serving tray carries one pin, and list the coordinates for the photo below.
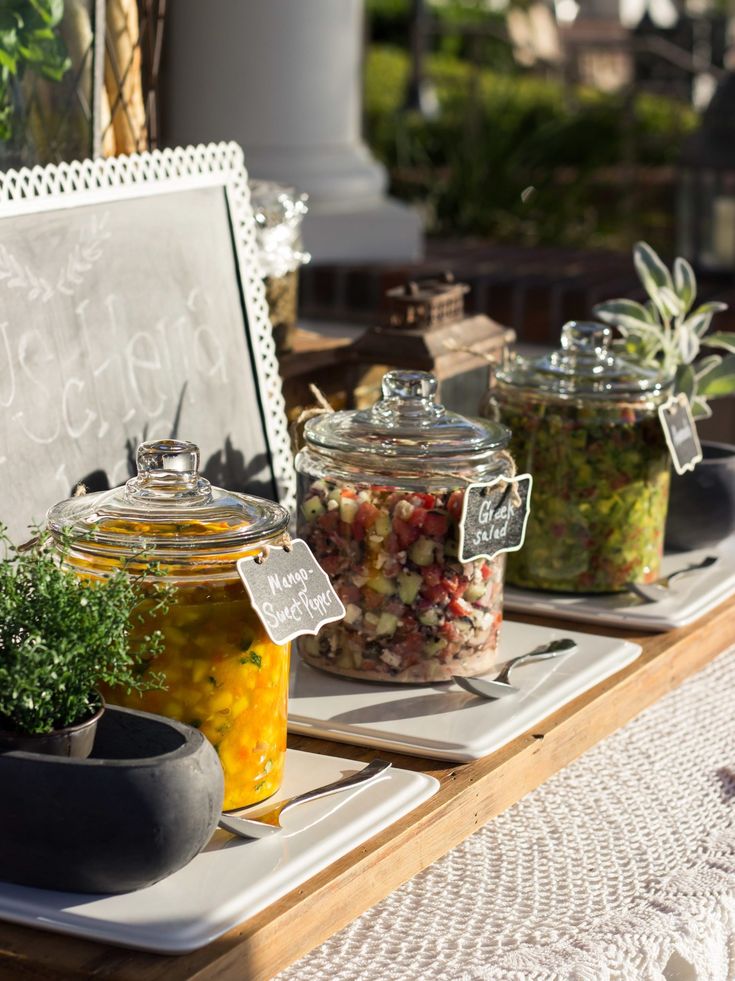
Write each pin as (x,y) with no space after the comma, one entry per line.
(470,794)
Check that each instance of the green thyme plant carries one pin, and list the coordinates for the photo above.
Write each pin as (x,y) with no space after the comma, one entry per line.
(61,636)
(29,42)
(668,332)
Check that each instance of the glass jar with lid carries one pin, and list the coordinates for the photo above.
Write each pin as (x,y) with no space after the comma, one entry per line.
(279,211)
(222,673)
(380,498)
(585,424)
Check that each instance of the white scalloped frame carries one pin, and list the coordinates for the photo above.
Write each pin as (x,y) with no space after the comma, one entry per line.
(80,182)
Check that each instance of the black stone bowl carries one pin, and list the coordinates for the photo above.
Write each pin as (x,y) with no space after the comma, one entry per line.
(140,807)
(702,501)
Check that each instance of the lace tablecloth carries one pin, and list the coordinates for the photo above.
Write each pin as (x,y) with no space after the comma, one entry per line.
(619,868)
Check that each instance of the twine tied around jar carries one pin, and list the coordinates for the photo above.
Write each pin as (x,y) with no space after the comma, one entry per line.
(79,491)
(265,550)
(27,546)
(322,408)
(505,481)
(451,345)
(318,410)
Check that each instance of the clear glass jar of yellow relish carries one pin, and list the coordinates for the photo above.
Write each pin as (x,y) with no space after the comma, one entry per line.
(222,672)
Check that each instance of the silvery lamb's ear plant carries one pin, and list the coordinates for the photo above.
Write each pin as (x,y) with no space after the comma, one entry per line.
(668,333)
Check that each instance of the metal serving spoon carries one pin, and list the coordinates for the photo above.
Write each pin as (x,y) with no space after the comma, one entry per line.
(267,823)
(659,589)
(500,686)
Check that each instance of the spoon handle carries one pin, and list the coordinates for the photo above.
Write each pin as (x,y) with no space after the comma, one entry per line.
(553,649)
(688,570)
(370,772)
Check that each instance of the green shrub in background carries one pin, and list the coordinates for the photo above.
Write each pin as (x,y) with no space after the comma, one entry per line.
(519,157)
(29,43)
(390,23)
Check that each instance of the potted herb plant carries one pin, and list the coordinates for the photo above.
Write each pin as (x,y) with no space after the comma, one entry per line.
(60,638)
(668,332)
(148,797)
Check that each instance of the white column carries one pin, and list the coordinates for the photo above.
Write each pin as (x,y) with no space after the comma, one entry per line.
(284,79)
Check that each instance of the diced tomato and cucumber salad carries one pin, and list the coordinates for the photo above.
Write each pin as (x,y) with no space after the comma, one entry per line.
(414,612)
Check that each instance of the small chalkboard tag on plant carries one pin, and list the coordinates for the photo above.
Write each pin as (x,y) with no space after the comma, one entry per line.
(680,431)
(494,517)
(290,591)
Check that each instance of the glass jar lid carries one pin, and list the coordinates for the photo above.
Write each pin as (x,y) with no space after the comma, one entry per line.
(168,507)
(408,426)
(585,366)
(279,211)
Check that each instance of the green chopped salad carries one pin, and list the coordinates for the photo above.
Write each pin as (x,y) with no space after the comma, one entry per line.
(600,492)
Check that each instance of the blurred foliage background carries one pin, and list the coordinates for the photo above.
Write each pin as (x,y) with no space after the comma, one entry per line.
(514,154)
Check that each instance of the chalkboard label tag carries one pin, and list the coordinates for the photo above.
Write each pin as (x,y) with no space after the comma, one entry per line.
(290,591)
(680,431)
(494,517)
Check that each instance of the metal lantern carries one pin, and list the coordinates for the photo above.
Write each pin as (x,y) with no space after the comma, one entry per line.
(706,195)
(426,329)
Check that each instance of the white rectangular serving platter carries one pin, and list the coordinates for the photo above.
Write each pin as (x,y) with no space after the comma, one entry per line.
(690,597)
(441,721)
(232,879)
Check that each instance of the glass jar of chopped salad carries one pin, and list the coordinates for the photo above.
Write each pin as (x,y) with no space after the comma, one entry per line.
(222,673)
(380,499)
(585,424)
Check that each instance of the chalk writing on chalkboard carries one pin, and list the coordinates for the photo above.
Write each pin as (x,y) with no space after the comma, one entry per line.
(123,321)
(680,431)
(494,517)
(290,591)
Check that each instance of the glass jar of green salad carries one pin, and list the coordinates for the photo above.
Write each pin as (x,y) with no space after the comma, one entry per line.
(585,424)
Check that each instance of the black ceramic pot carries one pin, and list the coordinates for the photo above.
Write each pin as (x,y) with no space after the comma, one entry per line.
(74,740)
(702,502)
(140,807)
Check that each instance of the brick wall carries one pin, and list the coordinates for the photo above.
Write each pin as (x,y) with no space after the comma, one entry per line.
(532,290)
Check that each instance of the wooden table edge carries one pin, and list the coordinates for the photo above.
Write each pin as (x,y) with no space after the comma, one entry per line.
(469,795)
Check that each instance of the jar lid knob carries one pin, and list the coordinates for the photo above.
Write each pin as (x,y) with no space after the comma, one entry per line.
(585,337)
(168,470)
(409,385)
(168,454)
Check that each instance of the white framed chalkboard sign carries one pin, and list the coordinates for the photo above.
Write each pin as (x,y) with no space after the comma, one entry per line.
(131,308)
